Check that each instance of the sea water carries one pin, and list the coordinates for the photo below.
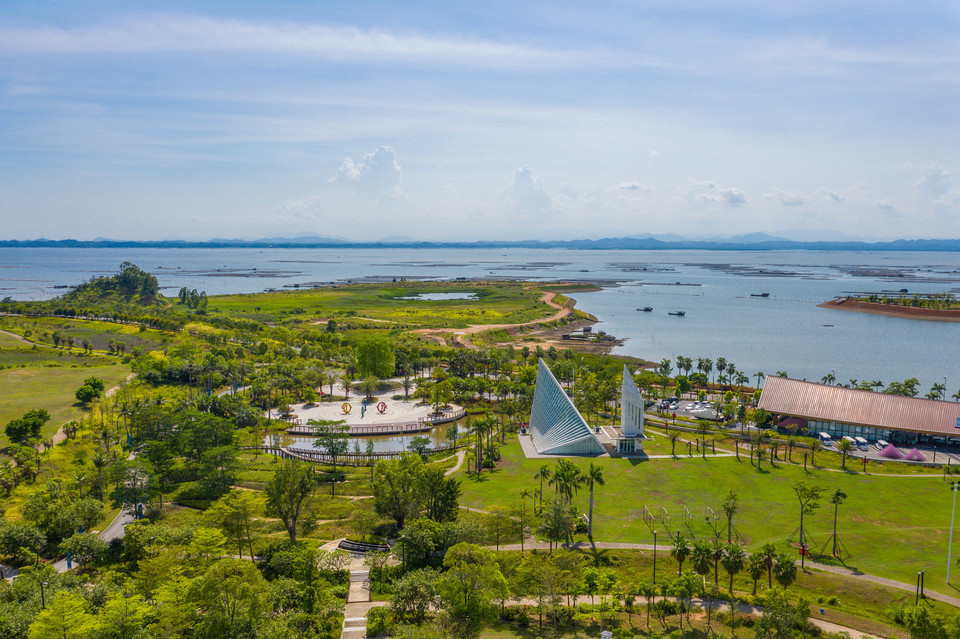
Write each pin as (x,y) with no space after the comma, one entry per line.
(785,331)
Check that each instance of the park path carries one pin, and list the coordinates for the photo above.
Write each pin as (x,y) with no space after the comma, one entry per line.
(19,338)
(461,333)
(461,455)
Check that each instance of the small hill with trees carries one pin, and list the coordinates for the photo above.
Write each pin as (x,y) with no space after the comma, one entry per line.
(131,284)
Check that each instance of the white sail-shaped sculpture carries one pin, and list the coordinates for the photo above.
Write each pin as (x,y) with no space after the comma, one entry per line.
(631,407)
(556,425)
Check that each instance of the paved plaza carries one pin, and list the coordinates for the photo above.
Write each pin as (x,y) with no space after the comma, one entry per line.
(394,411)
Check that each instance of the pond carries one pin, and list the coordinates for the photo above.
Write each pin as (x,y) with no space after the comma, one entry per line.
(381,443)
(440,297)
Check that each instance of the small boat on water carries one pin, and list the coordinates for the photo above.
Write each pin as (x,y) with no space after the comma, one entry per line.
(759,294)
(646,309)
(677,313)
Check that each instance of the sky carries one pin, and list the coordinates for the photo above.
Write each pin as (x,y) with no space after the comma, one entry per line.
(479,120)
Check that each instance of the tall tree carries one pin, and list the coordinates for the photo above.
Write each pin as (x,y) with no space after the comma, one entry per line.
(680,551)
(594,477)
(769,553)
(845,446)
(472,580)
(836,499)
(730,507)
(785,571)
(543,474)
(756,566)
(395,487)
(700,558)
(291,484)
(333,439)
(733,561)
(809,499)
(375,357)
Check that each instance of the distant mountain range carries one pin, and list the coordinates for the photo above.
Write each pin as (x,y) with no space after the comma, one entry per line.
(750,242)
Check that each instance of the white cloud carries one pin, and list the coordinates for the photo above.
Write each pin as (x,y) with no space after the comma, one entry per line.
(527,195)
(888,209)
(634,186)
(712,192)
(377,172)
(192,33)
(934,184)
(787,198)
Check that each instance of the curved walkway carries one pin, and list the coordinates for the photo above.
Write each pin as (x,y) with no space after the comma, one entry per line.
(562,311)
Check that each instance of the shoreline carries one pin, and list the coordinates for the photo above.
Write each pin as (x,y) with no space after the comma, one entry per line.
(906,312)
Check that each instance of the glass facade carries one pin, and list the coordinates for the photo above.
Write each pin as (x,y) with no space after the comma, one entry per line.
(838,430)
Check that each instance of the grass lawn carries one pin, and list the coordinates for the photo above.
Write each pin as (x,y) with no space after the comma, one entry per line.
(499,303)
(98,333)
(891,526)
(22,389)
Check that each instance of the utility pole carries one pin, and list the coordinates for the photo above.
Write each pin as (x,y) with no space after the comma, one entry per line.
(654,556)
(954,487)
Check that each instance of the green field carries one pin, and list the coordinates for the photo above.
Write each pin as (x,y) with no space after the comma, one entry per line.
(892,526)
(499,303)
(98,333)
(22,389)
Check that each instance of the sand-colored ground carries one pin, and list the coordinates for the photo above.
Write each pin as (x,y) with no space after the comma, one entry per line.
(860,306)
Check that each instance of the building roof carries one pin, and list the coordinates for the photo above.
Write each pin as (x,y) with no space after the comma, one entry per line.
(785,396)
(556,425)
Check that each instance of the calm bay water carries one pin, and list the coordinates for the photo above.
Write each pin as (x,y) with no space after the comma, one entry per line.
(783,332)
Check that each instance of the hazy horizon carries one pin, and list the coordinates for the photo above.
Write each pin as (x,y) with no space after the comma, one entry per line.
(457,122)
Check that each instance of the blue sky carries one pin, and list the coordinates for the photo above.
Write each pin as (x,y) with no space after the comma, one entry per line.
(487,120)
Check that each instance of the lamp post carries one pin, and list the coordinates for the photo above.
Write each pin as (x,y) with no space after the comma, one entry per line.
(654,556)
(43,599)
(954,487)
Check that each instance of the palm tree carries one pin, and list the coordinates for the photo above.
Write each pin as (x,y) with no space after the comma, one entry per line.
(543,473)
(786,570)
(814,447)
(769,554)
(680,551)
(760,375)
(756,566)
(526,492)
(594,476)
(844,446)
(700,557)
(716,553)
(567,479)
(733,561)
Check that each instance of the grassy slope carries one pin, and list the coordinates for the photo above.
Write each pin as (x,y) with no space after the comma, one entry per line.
(893,526)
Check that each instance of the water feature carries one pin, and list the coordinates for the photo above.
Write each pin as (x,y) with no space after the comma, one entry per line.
(784,331)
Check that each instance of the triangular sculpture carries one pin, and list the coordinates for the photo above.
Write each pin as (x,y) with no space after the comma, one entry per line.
(915,455)
(631,406)
(890,452)
(556,425)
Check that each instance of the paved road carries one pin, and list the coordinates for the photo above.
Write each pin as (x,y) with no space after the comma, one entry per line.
(114,530)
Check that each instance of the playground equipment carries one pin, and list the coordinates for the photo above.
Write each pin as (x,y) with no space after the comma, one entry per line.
(703,519)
